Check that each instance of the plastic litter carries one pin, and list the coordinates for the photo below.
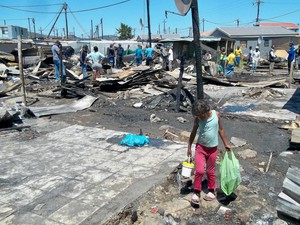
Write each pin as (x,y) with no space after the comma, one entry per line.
(134,140)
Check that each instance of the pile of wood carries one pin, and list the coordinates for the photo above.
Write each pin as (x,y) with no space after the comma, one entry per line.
(288,203)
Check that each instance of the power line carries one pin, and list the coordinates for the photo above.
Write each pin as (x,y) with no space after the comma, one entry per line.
(297,10)
(82,28)
(31,6)
(78,11)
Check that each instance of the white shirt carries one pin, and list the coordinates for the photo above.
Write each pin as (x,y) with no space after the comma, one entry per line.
(256,55)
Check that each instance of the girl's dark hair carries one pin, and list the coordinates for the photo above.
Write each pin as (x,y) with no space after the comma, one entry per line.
(200,107)
(95,48)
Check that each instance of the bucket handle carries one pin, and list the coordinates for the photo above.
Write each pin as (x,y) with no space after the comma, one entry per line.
(189,159)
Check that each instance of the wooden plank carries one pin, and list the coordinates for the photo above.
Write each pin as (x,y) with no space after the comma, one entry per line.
(295,136)
(125,73)
(293,174)
(291,189)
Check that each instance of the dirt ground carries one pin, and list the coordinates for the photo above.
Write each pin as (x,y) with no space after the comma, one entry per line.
(164,204)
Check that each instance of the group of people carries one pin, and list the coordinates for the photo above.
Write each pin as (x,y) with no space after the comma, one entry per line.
(148,54)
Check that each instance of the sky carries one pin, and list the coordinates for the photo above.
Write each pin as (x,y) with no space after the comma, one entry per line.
(215,13)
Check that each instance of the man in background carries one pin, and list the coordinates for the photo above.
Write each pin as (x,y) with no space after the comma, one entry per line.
(120,51)
(272,57)
(56,52)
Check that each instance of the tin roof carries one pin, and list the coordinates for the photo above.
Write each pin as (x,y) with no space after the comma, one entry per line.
(286,25)
(256,31)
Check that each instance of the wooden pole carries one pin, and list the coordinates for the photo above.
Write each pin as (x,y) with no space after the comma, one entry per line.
(179,84)
(197,46)
(21,69)
(291,74)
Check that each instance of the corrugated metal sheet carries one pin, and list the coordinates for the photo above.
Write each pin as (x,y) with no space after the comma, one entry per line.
(256,31)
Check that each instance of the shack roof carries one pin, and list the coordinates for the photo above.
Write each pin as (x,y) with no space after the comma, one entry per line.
(255,32)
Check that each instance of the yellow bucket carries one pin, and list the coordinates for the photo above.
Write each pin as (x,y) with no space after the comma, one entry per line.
(187,169)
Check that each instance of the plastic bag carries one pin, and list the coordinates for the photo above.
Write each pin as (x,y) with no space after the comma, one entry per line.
(230,173)
(134,140)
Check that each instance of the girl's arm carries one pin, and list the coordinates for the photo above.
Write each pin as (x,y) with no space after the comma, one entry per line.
(222,133)
(192,136)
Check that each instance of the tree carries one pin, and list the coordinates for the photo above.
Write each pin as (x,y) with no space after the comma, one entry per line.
(124,32)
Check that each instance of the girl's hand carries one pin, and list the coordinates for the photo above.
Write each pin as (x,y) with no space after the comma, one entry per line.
(189,152)
(228,148)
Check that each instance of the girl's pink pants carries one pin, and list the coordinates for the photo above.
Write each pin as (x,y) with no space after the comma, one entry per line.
(205,155)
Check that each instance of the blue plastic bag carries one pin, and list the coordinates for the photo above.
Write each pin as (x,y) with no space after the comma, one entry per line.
(134,140)
(230,173)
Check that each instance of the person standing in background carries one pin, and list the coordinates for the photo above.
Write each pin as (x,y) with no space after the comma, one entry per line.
(149,55)
(120,51)
(96,57)
(230,64)
(255,59)
(238,54)
(111,55)
(222,61)
(171,58)
(56,49)
(272,57)
(298,56)
(83,60)
(292,56)
(249,60)
(139,55)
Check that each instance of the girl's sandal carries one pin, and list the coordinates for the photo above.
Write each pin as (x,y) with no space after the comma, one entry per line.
(209,196)
(195,199)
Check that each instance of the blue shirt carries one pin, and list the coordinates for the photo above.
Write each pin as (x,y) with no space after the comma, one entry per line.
(209,130)
(149,52)
(292,53)
(95,56)
(138,53)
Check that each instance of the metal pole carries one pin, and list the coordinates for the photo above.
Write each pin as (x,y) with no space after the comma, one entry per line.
(66,18)
(149,28)
(21,68)
(102,28)
(33,21)
(196,34)
(29,27)
(4,22)
(92,30)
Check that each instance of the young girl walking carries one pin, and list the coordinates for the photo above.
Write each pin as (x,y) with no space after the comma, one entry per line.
(209,125)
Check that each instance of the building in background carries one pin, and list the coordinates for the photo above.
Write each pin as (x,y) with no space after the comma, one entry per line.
(12,32)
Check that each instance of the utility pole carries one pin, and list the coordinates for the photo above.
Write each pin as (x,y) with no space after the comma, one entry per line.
(196,32)
(33,21)
(237,22)
(203,20)
(4,22)
(149,24)
(169,30)
(176,30)
(165,26)
(158,32)
(64,32)
(258,2)
(74,32)
(101,22)
(92,30)
(21,69)
(65,6)
(41,31)
(97,31)
(29,27)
